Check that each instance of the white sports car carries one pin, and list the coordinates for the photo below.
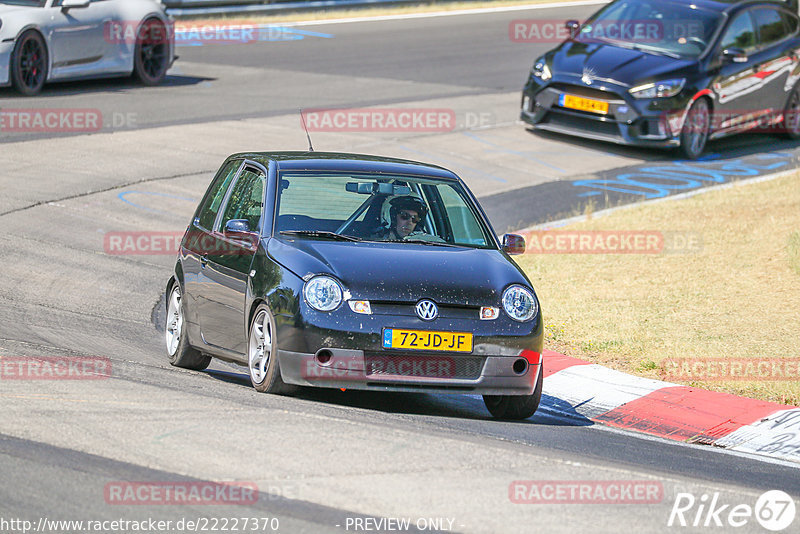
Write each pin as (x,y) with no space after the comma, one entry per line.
(45,41)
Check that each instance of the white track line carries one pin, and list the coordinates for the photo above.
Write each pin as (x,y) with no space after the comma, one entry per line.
(476,11)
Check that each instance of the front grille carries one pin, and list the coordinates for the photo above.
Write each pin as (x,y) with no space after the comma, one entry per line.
(424,365)
(406,309)
(586,92)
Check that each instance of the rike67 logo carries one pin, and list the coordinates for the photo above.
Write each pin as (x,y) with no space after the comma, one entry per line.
(774,510)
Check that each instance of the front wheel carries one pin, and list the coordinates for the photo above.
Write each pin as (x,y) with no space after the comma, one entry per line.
(791,114)
(262,353)
(180,353)
(515,407)
(695,129)
(29,64)
(151,55)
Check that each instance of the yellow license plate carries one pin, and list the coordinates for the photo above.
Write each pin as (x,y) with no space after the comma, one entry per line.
(394,338)
(584,104)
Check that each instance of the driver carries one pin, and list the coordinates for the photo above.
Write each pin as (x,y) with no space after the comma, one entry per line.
(405,213)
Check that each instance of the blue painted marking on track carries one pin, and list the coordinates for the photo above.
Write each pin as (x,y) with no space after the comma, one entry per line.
(657,181)
(122,196)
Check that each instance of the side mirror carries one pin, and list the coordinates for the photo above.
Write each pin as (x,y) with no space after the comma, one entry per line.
(734,55)
(573,27)
(239,229)
(69,4)
(513,244)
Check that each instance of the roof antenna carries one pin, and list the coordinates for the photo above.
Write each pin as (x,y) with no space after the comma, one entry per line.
(302,118)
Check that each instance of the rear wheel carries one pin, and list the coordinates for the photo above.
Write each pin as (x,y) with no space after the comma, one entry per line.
(515,407)
(791,114)
(29,63)
(151,55)
(262,353)
(180,353)
(695,129)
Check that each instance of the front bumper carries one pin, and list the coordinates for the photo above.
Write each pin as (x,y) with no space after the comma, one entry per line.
(629,121)
(353,369)
(504,360)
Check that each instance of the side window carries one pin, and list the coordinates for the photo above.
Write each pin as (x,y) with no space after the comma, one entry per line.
(466,229)
(770,25)
(246,199)
(740,33)
(790,21)
(216,193)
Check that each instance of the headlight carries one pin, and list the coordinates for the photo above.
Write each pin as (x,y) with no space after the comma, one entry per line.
(664,89)
(541,70)
(519,303)
(323,293)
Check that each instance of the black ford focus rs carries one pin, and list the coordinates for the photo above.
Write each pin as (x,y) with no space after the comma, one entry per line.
(671,73)
(351,271)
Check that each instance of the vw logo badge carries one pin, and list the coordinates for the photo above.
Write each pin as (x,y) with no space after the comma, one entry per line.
(427,310)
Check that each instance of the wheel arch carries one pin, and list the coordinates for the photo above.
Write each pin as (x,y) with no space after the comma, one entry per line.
(47,48)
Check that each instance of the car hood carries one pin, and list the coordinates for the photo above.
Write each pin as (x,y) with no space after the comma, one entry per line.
(5,9)
(612,63)
(403,272)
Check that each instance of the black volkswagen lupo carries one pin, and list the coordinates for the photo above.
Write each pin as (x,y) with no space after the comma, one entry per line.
(352,271)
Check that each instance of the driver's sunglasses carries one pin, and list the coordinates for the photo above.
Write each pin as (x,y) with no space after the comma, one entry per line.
(406,216)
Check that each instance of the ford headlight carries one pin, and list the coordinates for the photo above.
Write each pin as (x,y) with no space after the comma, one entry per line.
(541,70)
(663,89)
(520,303)
(323,293)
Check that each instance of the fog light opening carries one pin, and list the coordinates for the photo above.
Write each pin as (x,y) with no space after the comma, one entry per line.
(324,356)
(520,366)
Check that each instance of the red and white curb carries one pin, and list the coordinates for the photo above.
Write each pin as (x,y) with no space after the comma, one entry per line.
(671,411)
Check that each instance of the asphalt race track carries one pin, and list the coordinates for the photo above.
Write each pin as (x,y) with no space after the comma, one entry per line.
(320,461)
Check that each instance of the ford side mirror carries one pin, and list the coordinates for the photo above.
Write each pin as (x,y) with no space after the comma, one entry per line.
(573,27)
(734,55)
(513,244)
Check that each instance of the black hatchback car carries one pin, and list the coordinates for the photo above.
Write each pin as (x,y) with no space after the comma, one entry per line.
(671,73)
(352,271)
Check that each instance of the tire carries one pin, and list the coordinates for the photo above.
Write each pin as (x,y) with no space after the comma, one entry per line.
(29,63)
(151,54)
(791,114)
(262,348)
(515,407)
(180,353)
(694,135)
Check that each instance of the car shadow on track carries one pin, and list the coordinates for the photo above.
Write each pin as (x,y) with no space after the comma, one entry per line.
(105,85)
(552,410)
(736,146)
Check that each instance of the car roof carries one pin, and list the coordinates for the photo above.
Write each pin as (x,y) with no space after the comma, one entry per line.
(345,162)
(734,5)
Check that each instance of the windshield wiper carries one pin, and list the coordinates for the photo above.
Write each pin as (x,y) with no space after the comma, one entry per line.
(321,233)
(423,241)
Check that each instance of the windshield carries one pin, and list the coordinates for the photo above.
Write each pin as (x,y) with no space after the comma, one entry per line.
(378,208)
(659,27)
